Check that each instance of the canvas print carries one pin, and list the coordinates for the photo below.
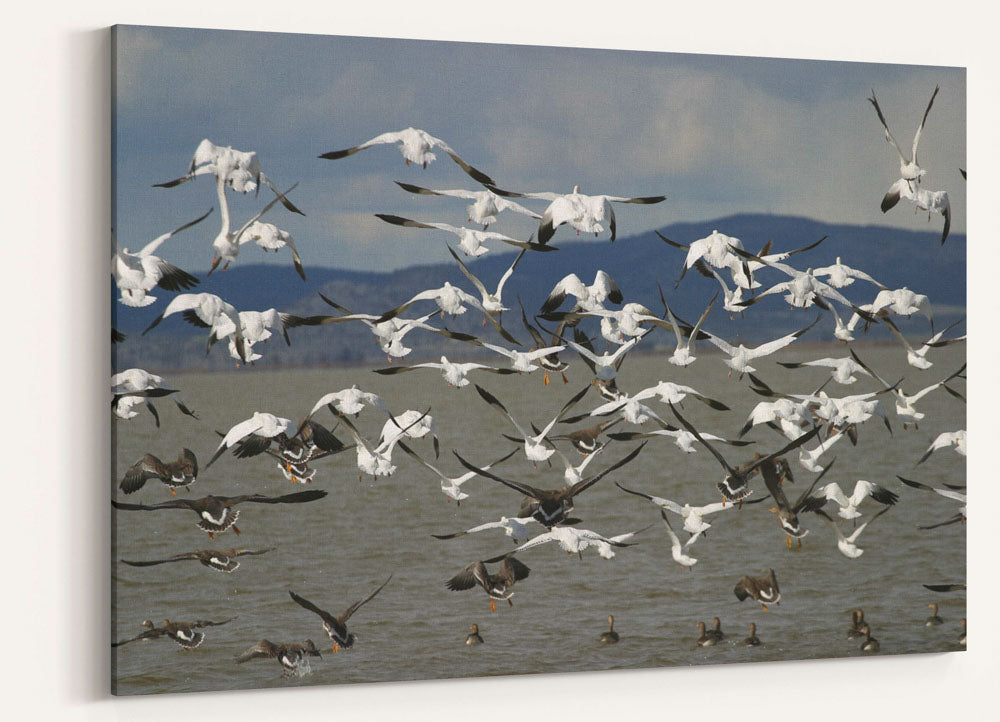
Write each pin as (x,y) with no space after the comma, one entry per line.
(437,359)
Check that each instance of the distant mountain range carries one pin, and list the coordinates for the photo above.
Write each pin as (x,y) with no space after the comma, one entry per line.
(638,264)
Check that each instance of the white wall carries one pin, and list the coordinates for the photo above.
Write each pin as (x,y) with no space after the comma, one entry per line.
(55,122)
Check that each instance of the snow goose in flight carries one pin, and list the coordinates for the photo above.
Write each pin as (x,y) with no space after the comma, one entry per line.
(848,544)
(802,291)
(615,325)
(731,299)
(952,494)
(677,550)
(809,458)
(795,411)
(743,272)
(905,408)
(585,213)
(517,529)
(524,361)
(606,365)
(683,353)
(848,505)
(375,460)
(389,334)
(588,298)
(534,444)
(550,506)
(715,249)
(842,370)
(349,401)
(841,276)
(454,374)
(264,427)
(899,301)
(958,439)
(451,487)
(416,146)
(470,241)
(180,473)
(417,425)
(909,170)
(136,274)
(573,540)
(226,246)
(918,357)
(485,206)
(497,586)
(207,311)
(336,626)
(216,513)
(240,170)
(135,386)
(923,200)
(734,486)
(683,440)
(693,516)
(741,356)
(255,327)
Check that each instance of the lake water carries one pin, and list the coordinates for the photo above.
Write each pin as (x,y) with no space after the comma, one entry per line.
(338,549)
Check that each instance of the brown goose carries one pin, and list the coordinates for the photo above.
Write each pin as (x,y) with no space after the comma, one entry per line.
(858,625)
(474,637)
(933,620)
(497,586)
(753,640)
(870,644)
(705,639)
(716,630)
(311,442)
(735,485)
(763,590)
(216,513)
(787,513)
(184,633)
(180,473)
(221,560)
(550,506)
(336,627)
(587,441)
(610,636)
(293,657)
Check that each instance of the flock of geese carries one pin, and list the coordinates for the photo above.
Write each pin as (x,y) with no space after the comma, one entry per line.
(580,331)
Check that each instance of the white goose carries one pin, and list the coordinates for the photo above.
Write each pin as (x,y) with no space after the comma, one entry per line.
(261,424)
(741,356)
(683,354)
(226,245)
(575,541)
(485,206)
(349,401)
(909,169)
(809,458)
(693,516)
(957,439)
(848,505)
(136,274)
(535,448)
(588,298)
(517,528)
(415,145)
(842,276)
(847,544)
(677,550)
(587,214)
(842,370)
(715,248)
(135,386)
(470,241)
(451,487)
(454,374)
(492,303)
(918,357)
(208,311)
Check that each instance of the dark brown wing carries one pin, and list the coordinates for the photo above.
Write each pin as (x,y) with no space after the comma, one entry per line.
(148,467)
(525,489)
(262,650)
(354,607)
(153,562)
(512,570)
(298,497)
(306,604)
(171,504)
(469,577)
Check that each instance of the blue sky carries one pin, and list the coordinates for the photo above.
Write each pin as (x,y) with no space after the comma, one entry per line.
(716,134)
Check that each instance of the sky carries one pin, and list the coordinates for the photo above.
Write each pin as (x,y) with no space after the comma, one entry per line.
(716,134)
